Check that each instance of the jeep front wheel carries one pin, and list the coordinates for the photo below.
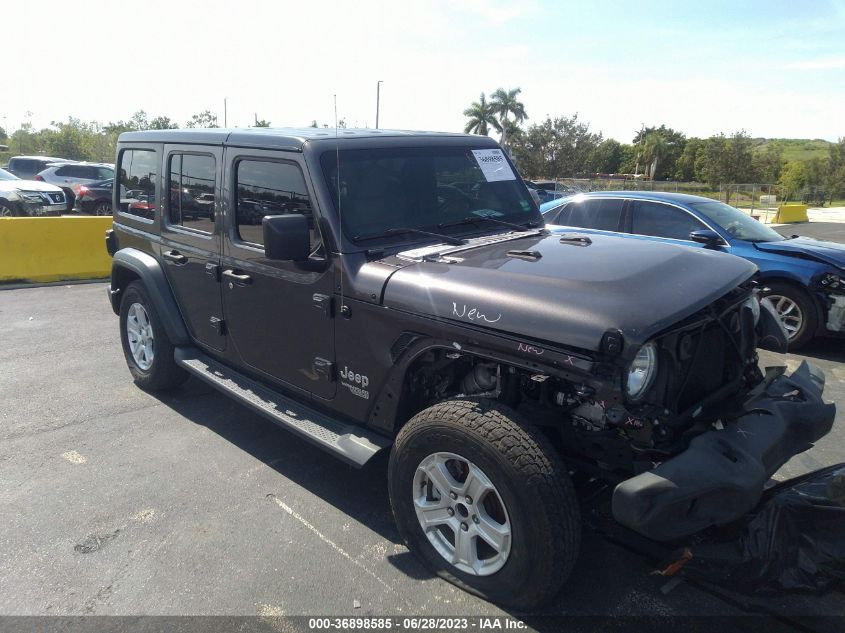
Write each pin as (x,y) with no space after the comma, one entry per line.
(148,350)
(483,498)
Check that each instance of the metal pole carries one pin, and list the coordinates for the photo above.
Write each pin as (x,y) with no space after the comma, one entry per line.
(378,98)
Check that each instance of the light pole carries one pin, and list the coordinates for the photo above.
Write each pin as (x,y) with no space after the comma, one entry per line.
(378,95)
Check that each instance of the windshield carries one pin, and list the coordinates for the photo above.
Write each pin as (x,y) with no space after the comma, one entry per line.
(5,175)
(424,188)
(736,223)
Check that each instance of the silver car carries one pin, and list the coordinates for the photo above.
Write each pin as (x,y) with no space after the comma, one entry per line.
(29,198)
(69,176)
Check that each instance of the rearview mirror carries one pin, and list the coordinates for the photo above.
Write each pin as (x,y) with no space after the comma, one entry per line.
(707,237)
(286,237)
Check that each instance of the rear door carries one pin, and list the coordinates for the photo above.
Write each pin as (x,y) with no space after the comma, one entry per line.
(602,215)
(191,246)
(662,221)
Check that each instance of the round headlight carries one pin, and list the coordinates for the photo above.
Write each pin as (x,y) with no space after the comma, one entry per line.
(753,304)
(642,371)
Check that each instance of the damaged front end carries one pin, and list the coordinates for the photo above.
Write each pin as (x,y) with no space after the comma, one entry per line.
(721,475)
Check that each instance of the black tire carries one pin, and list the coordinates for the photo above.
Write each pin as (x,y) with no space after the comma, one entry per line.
(102,207)
(163,373)
(804,303)
(7,210)
(528,475)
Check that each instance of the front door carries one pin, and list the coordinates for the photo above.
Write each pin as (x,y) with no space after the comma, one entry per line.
(190,241)
(278,314)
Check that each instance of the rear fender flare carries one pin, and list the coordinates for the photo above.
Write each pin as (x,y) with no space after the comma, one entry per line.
(129,264)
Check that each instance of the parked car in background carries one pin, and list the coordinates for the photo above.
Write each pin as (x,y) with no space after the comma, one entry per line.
(27,167)
(801,277)
(68,174)
(30,198)
(94,198)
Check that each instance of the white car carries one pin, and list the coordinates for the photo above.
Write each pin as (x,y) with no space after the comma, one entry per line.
(29,198)
(68,175)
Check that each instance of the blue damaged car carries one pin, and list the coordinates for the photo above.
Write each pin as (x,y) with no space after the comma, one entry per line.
(802,277)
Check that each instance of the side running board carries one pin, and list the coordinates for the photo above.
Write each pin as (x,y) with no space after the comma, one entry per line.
(352,443)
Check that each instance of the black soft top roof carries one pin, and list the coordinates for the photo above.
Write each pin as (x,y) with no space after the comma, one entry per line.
(289,138)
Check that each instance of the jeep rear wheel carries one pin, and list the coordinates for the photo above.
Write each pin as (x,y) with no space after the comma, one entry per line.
(483,498)
(148,350)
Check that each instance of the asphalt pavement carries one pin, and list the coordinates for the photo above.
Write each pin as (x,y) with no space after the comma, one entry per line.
(118,502)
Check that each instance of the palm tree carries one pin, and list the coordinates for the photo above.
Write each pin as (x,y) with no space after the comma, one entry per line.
(481,117)
(654,151)
(505,103)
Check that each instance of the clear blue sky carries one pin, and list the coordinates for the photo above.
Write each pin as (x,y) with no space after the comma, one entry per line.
(773,68)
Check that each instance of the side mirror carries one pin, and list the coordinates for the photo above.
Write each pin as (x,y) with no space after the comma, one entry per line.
(709,238)
(286,237)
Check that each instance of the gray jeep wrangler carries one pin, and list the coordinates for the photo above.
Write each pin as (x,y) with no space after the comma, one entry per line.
(375,290)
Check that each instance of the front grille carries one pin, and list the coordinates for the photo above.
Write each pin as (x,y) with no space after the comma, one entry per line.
(705,371)
(710,357)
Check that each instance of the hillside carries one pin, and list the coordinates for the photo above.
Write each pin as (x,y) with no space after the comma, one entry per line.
(796,148)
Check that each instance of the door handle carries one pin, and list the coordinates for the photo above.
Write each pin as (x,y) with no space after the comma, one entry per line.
(238,279)
(175,257)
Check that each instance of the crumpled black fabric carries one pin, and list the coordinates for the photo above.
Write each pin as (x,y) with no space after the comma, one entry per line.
(793,541)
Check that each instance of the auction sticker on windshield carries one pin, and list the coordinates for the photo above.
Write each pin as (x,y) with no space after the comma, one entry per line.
(493,164)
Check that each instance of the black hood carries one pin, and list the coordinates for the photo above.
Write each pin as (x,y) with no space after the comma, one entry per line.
(570,294)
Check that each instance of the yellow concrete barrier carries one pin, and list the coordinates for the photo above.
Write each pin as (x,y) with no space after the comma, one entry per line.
(791,213)
(53,249)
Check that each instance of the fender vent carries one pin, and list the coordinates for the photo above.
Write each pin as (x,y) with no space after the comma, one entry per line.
(401,344)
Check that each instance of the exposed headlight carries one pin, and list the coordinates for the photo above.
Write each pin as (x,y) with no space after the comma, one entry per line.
(642,371)
(829,280)
(753,304)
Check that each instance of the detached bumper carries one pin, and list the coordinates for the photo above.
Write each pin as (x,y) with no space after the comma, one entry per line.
(720,477)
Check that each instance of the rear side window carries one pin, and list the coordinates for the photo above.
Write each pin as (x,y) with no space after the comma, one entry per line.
(138,170)
(23,167)
(190,187)
(662,220)
(601,214)
(268,188)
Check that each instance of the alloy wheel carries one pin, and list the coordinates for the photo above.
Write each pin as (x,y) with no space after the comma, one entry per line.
(789,312)
(462,514)
(139,332)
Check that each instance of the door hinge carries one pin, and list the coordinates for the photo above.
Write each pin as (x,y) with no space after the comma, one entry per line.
(323,303)
(218,324)
(212,270)
(324,369)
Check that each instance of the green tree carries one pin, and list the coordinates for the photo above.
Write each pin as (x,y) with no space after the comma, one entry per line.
(68,140)
(835,172)
(726,160)
(203,119)
(163,123)
(606,158)
(654,149)
(667,152)
(793,178)
(685,165)
(481,117)
(769,162)
(505,104)
(555,148)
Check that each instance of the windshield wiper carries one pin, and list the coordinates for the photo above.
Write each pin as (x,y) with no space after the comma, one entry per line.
(399,231)
(485,218)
